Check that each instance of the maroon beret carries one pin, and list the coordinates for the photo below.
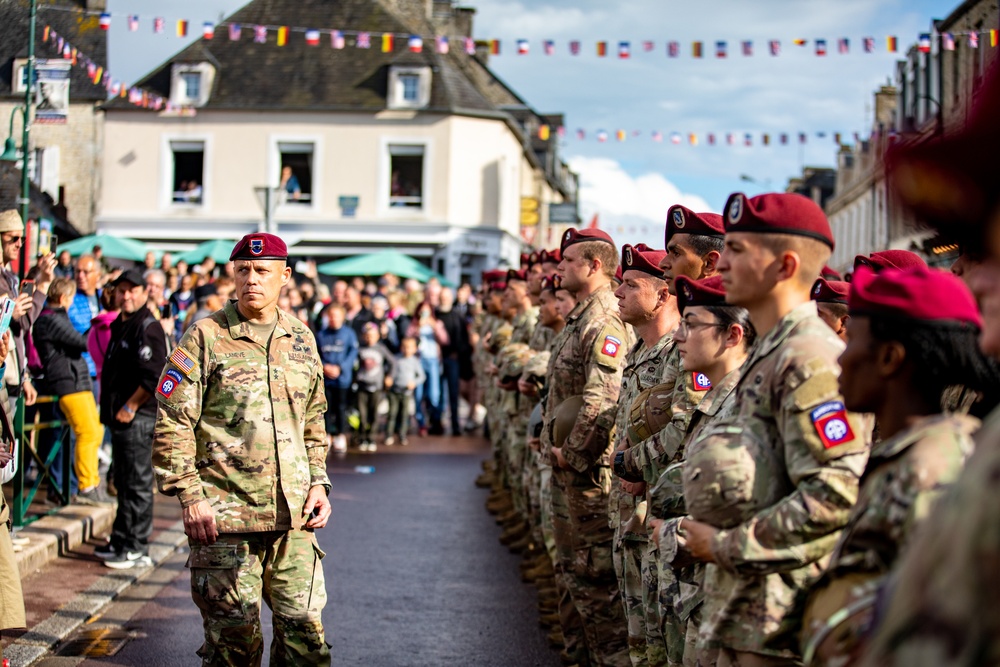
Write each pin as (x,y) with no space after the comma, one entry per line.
(682,220)
(534,258)
(778,213)
(496,275)
(525,258)
(642,258)
(573,236)
(705,292)
(516,274)
(830,291)
(889,259)
(830,274)
(498,286)
(259,246)
(917,293)
(551,283)
(553,256)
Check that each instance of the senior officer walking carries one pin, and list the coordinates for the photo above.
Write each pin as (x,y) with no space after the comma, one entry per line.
(240,440)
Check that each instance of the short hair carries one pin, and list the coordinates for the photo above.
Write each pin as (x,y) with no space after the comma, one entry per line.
(730,315)
(154,272)
(836,310)
(813,254)
(333,305)
(412,339)
(61,287)
(701,244)
(607,253)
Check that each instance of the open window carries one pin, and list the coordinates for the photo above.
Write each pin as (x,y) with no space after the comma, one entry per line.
(295,182)
(406,183)
(189,171)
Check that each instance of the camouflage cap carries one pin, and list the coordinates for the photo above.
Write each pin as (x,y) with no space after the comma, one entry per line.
(650,412)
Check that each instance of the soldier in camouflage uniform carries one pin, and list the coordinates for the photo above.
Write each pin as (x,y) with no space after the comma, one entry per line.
(240,440)
(645,303)
(586,361)
(911,334)
(793,452)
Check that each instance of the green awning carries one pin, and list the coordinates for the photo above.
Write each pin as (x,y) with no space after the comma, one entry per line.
(380,263)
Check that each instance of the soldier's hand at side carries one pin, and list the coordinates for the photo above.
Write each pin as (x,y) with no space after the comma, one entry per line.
(654,529)
(558,460)
(698,539)
(317,500)
(199,523)
(535,444)
(634,488)
(331,372)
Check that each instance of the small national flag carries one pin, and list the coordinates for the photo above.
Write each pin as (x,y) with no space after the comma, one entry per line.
(470,46)
(696,49)
(620,135)
(207,30)
(388,42)
(720,49)
(283,35)
(800,42)
(657,136)
(673,49)
(693,139)
(549,47)
(624,49)
(235,32)
(133,23)
(973,40)
(766,139)
(844,45)
(891,43)
(581,134)
(158,24)
(924,43)
(602,49)
(675,138)
(183,361)
(494,47)
(730,138)
(260,34)
(775,47)
(442,44)
(415,44)
(602,136)
(98,74)
(836,138)
(948,41)
(522,47)
(91,69)
(993,37)
(337,39)
(869,44)
(364,40)
(312,37)
(711,139)
(802,137)
(561,131)
(747,48)
(648,45)
(784,139)
(574,47)
(182,28)
(820,47)
(544,132)
(45,33)
(105,21)
(748,139)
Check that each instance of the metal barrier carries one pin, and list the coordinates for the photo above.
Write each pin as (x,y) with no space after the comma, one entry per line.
(28,452)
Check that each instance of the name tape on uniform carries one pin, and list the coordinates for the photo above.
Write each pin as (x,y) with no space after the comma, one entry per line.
(169,382)
(830,420)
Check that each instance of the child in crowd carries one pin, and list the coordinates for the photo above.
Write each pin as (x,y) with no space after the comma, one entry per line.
(408,376)
(376,367)
(338,348)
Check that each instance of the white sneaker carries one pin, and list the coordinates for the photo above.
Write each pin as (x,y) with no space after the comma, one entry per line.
(339,443)
(390,441)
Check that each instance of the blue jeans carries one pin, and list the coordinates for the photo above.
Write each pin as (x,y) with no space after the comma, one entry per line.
(429,414)
(451,378)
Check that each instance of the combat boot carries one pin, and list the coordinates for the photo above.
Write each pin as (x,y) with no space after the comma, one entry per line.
(514,533)
(549,621)
(542,571)
(509,518)
(488,465)
(556,638)
(521,545)
(499,504)
(485,480)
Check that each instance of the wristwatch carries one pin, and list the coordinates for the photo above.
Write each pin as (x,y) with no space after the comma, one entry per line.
(621,471)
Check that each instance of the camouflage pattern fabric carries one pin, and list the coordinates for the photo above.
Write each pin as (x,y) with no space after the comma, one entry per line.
(939,608)
(241,422)
(905,477)
(627,514)
(787,465)
(228,579)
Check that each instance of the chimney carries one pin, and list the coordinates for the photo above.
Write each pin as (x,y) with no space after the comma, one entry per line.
(483,51)
(96,5)
(462,17)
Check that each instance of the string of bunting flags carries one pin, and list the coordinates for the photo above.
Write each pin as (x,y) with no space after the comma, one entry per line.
(623,49)
(709,139)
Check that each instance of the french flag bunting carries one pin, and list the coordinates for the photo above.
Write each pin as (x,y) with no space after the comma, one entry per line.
(624,49)
(105,21)
(208,30)
(924,43)
(415,44)
(312,37)
(720,49)
(522,47)
(820,47)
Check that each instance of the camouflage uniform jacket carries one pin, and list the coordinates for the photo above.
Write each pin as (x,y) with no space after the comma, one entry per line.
(243,428)
(643,369)
(586,361)
(524,326)
(940,609)
(541,338)
(795,457)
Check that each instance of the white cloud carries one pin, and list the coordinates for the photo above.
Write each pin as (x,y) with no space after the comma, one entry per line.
(631,208)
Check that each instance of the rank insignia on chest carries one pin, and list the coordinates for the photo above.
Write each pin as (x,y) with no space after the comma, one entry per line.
(701,382)
(611,346)
(169,382)
(830,420)
(183,361)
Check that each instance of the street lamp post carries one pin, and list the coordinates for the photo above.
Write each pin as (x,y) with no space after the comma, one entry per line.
(26,130)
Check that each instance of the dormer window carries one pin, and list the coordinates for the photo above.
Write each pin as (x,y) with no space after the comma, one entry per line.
(191,84)
(409,87)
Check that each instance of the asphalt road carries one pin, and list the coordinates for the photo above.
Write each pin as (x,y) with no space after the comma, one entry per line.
(414,571)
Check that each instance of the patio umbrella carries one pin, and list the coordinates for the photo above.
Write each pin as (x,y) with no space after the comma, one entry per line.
(217,249)
(113,246)
(380,263)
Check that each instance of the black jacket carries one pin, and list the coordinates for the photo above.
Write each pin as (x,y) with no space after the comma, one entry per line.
(137,352)
(59,347)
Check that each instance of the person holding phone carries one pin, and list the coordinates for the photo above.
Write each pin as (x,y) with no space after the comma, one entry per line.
(431,335)
(11,599)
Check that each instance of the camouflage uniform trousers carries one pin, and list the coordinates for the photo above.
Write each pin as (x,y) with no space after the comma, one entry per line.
(658,649)
(627,556)
(515,446)
(229,578)
(584,545)
(545,507)
(562,554)
(673,629)
(532,490)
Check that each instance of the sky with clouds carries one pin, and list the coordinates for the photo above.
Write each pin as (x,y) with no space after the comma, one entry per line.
(631,184)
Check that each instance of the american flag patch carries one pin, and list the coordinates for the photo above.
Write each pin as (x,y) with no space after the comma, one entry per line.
(181,359)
